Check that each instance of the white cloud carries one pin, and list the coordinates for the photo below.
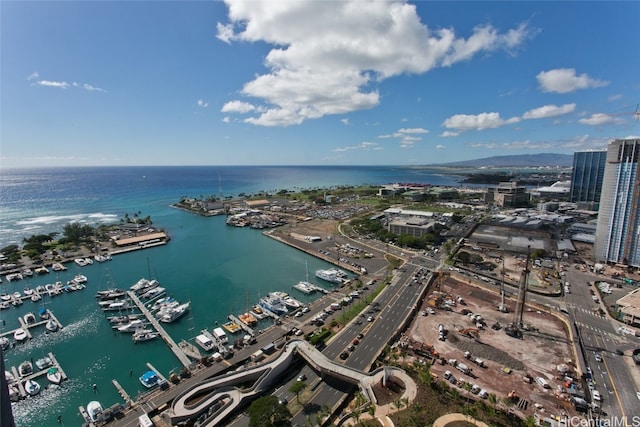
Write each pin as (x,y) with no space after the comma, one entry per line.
(202,103)
(48,83)
(600,119)
(413,130)
(365,145)
(614,97)
(327,55)
(565,80)
(345,122)
(63,84)
(440,147)
(448,133)
(549,111)
(463,122)
(237,107)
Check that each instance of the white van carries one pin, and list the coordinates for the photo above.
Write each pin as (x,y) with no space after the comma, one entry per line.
(596,395)
(145,421)
(542,382)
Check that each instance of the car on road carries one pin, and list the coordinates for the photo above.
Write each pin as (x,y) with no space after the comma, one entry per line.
(360,336)
(370,319)
(351,347)
(355,342)
(302,377)
(596,395)
(598,357)
(283,401)
(305,309)
(344,355)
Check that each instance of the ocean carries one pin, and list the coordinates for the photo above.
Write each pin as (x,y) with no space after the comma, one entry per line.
(220,269)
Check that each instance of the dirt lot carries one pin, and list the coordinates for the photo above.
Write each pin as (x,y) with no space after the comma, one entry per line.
(537,353)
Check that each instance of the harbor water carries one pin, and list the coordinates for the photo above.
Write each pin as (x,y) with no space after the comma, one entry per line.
(222,270)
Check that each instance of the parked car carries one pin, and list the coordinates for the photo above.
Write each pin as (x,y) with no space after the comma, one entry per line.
(302,377)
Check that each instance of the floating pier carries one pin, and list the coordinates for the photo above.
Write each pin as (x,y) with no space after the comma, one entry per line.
(173,346)
(243,325)
(122,392)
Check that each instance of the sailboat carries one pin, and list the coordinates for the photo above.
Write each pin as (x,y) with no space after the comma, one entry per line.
(305,286)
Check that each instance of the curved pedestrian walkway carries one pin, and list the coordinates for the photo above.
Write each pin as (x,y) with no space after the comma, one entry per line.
(444,420)
(216,398)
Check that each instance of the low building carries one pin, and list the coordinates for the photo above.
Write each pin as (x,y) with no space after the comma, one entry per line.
(508,194)
(628,308)
(416,227)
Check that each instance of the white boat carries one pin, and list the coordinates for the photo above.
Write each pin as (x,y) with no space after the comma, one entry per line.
(102,258)
(8,376)
(80,262)
(291,302)
(27,291)
(51,326)
(152,293)
(58,266)
(109,294)
(274,304)
(205,342)
(4,343)
(168,315)
(332,275)
(117,306)
(80,278)
(143,285)
(14,393)
(54,376)
(165,302)
(36,297)
(20,335)
(94,410)
(29,318)
(131,326)
(142,335)
(44,363)
(88,261)
(27,272)
(25,368)
(14,276)
(32,387)
(305,287)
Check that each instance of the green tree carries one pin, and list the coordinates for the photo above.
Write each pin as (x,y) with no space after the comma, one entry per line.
(297,387)
(267,412)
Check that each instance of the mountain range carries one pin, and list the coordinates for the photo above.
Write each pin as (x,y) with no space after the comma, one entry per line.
(520,160)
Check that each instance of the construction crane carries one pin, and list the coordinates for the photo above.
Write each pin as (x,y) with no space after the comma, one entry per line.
(515,328)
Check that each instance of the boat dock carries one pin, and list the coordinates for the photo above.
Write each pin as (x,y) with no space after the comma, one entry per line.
(27,326)
(150,366)
(177,350)
(122,392)
(20,381)
(241,324)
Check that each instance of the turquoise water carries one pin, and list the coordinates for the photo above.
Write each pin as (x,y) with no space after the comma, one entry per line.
(220,269)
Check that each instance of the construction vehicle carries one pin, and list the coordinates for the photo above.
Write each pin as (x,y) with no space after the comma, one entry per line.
(470,332)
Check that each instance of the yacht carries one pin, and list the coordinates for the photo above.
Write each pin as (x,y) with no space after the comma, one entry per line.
(305,287)
(25,368)
(44,363)
(54,376)
(56,266)
(109,294)
(169,315)
(152,293)
(80,262)
(332,275)
(94,410)
(4,343)
(29,318)
(131,326)
(164,302)
(20,335)
(32,387)
(80,278)
(149,379)
(274,304)
(36,297)
(248,319)
(51,326)
(141,335)
(291,302)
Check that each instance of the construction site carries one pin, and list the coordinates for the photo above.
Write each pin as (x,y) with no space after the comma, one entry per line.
(487,345)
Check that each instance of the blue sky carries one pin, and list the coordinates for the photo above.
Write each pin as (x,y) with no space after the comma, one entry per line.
(312,82)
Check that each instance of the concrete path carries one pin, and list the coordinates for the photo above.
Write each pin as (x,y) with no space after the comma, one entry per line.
(446,419)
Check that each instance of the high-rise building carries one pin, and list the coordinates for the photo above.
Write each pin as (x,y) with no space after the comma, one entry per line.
(586,179)
(618,230)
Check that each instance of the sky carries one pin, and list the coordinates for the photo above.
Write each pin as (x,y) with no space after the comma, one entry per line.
(318,82)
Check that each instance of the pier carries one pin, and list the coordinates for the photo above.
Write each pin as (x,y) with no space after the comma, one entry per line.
(20,381)
(27,326)
(173,346)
